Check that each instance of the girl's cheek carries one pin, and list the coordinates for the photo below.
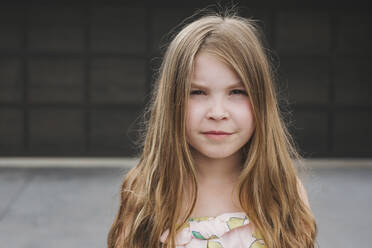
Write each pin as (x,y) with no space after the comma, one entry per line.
(243,109)
(197,112)
(195,109)
(192,109)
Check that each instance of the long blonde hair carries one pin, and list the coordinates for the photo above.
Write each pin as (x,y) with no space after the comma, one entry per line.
(152,192)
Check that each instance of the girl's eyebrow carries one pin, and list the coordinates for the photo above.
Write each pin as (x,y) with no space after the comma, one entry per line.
(200,86)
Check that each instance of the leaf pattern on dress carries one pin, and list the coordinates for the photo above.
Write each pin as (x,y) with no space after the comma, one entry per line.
(209,232)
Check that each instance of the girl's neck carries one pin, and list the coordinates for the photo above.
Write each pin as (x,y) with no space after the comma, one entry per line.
(217,171)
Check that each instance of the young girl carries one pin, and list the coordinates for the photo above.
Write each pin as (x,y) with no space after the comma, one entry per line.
(216,168)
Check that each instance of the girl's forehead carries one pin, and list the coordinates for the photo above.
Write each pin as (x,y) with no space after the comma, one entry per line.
(208,67)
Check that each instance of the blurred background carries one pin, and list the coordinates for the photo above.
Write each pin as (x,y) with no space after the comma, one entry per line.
(75,77)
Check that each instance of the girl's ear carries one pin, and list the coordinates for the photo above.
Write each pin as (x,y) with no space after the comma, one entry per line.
(302,192)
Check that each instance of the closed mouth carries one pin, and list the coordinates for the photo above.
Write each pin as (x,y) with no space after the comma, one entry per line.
(217,133)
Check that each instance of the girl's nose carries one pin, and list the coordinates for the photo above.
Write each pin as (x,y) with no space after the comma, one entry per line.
(217,111)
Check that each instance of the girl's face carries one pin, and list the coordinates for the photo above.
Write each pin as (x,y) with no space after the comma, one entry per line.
(219,114)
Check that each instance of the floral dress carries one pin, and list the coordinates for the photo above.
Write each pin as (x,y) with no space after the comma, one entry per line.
(229,230)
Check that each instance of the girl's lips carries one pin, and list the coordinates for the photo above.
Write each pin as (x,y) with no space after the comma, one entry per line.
(217,133)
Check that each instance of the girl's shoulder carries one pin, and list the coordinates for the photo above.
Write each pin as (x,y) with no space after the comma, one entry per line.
(302,193)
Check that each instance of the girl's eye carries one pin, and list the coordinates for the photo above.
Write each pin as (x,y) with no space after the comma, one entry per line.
(239,92)
(197,92)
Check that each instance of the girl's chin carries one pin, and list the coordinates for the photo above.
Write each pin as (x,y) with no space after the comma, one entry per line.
(215,154)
